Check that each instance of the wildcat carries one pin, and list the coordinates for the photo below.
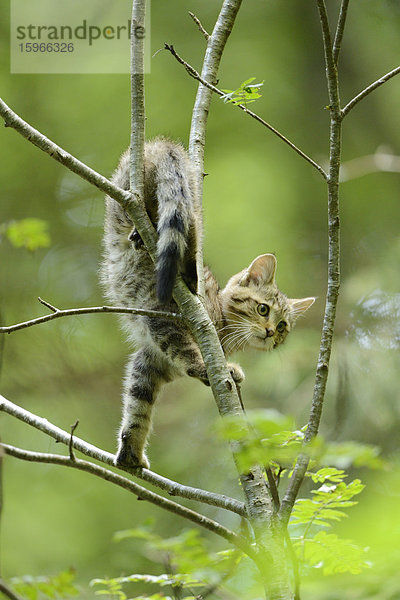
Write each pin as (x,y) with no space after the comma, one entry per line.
(249,312)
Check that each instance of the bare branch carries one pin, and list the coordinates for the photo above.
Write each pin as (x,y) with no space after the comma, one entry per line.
(11,119)
(88,311)
(193,73)
(130,203)
(137,100)
(340,30)
(71,441)
(50,306)
(333,267)
(172,487)
(215,46)
(200,26)
(368,90)
(4,589)
(139,491)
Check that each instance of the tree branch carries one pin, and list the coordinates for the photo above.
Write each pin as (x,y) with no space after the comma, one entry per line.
(258,502)
(215,46)
(137,100)
(368,90)
(4,589)
(333,266)
(172,487)
(200,26)
(192,309)
(340,30)
(130,203)
(89,311)
(193,73)
(139,491)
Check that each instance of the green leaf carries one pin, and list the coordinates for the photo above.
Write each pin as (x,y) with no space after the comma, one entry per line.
(247,92)
(345,454)
(328,473)
(333,554)
(29,233)
(36,588)
(321,508)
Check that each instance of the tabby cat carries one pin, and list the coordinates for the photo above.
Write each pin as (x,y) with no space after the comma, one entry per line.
(249,311)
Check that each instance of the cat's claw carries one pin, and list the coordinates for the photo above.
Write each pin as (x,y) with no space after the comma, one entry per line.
(237,372)
(135,238)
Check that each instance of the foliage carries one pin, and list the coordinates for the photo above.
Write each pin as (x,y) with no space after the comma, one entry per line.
(272,439)
(30,233)
(323,550)
(333,554)
(39,588)
(246,93)
(191,564)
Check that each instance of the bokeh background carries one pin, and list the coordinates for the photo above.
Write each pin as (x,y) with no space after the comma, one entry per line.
(259,196)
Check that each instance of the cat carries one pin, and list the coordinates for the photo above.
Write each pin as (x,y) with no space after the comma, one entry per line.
(249,312)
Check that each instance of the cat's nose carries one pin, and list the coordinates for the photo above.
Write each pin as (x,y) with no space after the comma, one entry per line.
(269,332)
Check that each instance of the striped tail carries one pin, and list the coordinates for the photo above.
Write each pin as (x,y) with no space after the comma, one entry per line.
(176,246)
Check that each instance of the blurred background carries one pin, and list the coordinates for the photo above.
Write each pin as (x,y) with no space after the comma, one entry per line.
(259,196)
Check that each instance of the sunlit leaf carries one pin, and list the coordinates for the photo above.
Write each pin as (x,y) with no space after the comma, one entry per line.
(29,233)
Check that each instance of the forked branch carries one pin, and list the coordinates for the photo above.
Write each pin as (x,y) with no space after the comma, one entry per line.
(138,490)
(172,487)
(193,73)
(58,313)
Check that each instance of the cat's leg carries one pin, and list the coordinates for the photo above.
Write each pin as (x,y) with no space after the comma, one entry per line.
(195,366)
(142,383)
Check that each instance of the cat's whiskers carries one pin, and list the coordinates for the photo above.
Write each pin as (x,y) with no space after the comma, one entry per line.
(239,336)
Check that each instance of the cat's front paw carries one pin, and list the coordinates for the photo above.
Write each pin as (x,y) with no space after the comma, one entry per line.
(236,372)
(127,457)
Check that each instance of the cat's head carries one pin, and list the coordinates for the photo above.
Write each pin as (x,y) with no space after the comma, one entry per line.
(256,313)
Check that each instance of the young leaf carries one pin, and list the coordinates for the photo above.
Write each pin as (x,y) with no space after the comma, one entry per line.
(333,554)
(28,233)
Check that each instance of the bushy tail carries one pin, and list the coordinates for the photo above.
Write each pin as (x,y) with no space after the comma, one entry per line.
(176,247)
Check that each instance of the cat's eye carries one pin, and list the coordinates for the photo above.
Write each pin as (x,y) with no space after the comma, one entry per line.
(263,310)
(281,326)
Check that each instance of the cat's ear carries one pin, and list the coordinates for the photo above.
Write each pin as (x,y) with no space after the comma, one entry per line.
(261,271)
(299,306)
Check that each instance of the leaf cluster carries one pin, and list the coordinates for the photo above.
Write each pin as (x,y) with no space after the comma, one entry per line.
(190,563)
(30,233)
(246,93)
(40,588)
(314,546)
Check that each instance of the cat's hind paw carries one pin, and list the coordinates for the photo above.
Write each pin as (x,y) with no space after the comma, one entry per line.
(126,457)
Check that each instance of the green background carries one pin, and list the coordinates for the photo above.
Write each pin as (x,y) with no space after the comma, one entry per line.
(259,196)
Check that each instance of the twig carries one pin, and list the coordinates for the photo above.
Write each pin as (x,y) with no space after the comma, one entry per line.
(50,306)
(333,268)
(340,30)
(368,90)
(273,488)
(130,203)
(88,311)
(193,73)
(200,26)
(8,592)
(172,487)
(139,491)
(71,441)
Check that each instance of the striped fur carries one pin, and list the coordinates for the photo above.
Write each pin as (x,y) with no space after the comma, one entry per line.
(165,349)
